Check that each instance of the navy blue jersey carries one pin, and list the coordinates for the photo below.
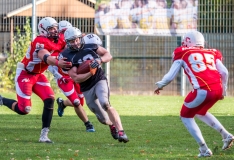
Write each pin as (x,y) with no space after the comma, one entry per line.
(88,52)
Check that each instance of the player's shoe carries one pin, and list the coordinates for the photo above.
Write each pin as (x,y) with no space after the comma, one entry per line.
(123,137)
(1,102)
(89,127)
(207,153)
(61,107)
(114,132)
(44,136)
(228,142)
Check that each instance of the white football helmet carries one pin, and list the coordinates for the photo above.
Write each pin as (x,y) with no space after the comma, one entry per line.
(92,39)
(64,25)
(46,23)
(72,34)
(193,39)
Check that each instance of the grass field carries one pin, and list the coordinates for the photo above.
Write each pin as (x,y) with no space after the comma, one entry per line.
(151,122)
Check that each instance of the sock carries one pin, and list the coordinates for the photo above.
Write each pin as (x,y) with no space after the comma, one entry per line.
(47,112)
(86,123)
(211,121)
(8,102)
(195,132)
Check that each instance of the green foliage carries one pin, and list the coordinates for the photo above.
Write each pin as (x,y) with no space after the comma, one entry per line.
(20,45)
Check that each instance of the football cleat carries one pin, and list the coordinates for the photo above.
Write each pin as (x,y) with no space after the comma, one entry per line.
(61,107)
(123,137)
(89,127)
(207,153)
(114,132)
(228,142)
(44,136)
(1,102)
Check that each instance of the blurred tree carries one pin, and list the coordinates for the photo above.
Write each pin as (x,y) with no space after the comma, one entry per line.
(20,45)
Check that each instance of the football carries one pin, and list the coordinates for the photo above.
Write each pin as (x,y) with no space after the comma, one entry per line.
(84,67)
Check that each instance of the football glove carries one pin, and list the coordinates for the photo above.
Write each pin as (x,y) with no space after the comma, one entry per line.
(94,64)
(93,70)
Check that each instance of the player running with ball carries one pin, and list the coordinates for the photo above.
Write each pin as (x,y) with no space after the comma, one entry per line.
(94,83)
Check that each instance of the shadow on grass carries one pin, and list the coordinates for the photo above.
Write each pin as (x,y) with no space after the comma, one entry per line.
(151,137)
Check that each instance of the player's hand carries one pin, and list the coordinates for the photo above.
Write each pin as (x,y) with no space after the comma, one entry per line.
(64,80)
(64,64)
(157,90)
(93,70)
(94,64)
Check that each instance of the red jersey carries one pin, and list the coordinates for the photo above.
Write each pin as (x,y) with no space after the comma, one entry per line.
(61,41)
(31,61)
(200,66)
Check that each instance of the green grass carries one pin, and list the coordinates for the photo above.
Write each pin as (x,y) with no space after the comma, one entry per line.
(151,122)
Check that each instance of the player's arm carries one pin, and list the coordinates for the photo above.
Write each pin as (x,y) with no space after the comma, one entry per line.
(45,56)
(175,68)
(105,55)
(224,74)
(78,78)
(54,71)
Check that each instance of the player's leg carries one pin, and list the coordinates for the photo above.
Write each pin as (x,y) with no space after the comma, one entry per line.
(102,116)
(70,90)
(43,89)
(192,104)
(23,83)
(212,121)
(102,92)
(65,88)
(79,109)
(62,104)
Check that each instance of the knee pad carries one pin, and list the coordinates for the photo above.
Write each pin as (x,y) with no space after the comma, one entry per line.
(106,106)
(49,103)
(27,109)
(76,102)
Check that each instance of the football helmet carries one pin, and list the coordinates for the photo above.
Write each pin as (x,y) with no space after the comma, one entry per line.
(64,25)
(193,39)
(92,39)
(70,35)
(45,24)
